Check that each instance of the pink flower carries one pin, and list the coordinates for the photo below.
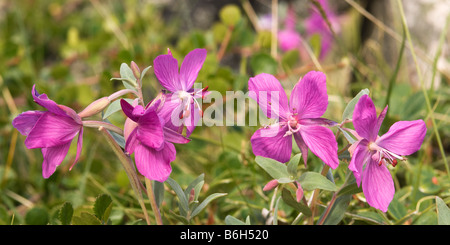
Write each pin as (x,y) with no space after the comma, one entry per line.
(300,117)
(371,153)
(150,141)
(181,106)
(52,131)
(315,24)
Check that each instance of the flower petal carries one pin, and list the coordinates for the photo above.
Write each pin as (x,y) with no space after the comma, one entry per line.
(53,156)
(79,148)
(360,156)
(272,143)
(190,67)
(404,137)
(309,98)
(132,112)
(149,131)
(377,185)
(153,164)
(44,101)
(131,142)
(191,121)
(52,130)
(302,146)
(269,94)
(166,70)
(322,143)
(25,121)
(174,137)
(365,118)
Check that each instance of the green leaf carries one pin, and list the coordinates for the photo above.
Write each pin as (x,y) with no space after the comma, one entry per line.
(275,212)
(299,206)
(275,169)
(66,213)
(293,164)
(313,180)
(180,194)
(443,212)
(114,107)
(145,71)
(86,219)
(102,207)
(348,111)
(37,216)
(158,189)
(263,63)
(194,185)
(205,202)
(396,209)
(129,81)
(337,212)
(230,220)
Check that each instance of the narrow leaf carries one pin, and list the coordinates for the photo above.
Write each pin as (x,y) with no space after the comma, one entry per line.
(144,72)
(299,206)
(293,164)
(275,169)
(127,74)
(114,107)
(230,220)
(181,196)
(158,189)
(348,111)
(443,212)
(205,202)
(313,180)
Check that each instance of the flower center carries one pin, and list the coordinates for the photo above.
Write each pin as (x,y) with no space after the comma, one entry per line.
(190,98)
(293,125)
(382,155)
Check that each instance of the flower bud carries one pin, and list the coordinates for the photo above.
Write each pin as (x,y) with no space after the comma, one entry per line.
(95,107)
(136,70)
(299,192)
(270,185)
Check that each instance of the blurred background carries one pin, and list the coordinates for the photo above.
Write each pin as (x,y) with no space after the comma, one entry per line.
(71,49)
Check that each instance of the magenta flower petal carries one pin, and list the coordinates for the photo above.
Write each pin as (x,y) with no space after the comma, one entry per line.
(149,130)
(131,111)
(191,121)
(360,156)
(44,101)
(79,148)
(272,143)
(131,142)
(262,87)
(302,146)
(25,121)
(153,164)
(309,98)
(322,143)
(365,118)
(53,156)
(377,185)
(404,137)
(190,67)
(289,39)
(174,137)
(52,130)
(166,70)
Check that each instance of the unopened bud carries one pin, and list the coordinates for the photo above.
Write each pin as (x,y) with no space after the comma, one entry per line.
(136,70)
(299,192)
(191,196)
(270,185)
(95,107)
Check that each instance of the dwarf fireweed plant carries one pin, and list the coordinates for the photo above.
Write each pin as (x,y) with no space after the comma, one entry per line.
(145,143)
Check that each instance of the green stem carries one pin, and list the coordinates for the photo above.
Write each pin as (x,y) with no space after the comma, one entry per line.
(427,99)
(316,196)
(127,164)
(151,197)
(98,124)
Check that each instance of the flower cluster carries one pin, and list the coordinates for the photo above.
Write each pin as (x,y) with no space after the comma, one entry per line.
(149,131)
(301,117)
